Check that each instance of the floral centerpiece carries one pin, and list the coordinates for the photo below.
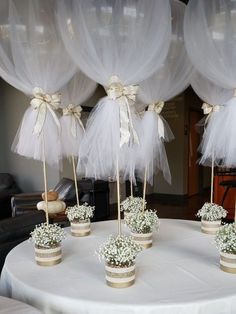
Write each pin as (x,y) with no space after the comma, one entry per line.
(142,225)
(79,217)
(226,243)
(211,215)
(132,205)
(47,240)
(119,253)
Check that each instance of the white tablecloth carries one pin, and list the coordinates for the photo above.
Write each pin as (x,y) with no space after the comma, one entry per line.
(10,306)
(179,275)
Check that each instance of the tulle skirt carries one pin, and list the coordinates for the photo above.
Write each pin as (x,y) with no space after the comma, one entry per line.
(100,150)
(30,145)
(152,153)
(219,139)
(70,144)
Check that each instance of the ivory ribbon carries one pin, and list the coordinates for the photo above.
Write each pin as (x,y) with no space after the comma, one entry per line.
(209,109)
(43,102)
(126,96)
(75,113)
(157,108)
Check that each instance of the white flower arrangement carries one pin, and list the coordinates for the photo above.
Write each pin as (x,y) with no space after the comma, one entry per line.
(142,222)
(132,204)
(226,239)
(47,236)
(80,212)
(119,251)
(212,212)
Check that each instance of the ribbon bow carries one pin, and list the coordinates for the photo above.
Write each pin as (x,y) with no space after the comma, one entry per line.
(157,108)
(126,96)
(43,102)
(209,109)
(75,113)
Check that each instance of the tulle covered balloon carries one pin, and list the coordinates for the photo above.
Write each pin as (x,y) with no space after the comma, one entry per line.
(33,59)
(170,80)
(214,98)
(117,44)
(211,44)
(79,89)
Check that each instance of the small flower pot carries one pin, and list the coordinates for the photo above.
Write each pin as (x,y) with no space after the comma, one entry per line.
(143,239)
(228,262)
(80,228)
(210,227)
(120,277)
(48,256)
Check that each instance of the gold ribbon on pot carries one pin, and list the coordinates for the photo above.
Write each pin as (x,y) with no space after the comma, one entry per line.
(209,109)
(43,102)
(157,108)
(125,95)
(75,113)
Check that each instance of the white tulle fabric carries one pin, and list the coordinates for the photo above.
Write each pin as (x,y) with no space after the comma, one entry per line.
(33,55)
(171,79)
(214,98)
(103,38)
(78,90)
(211,44)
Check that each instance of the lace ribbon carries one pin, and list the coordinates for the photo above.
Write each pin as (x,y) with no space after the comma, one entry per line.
(75,113)
(157,108)
(126,96)
(209,109)
(43,102)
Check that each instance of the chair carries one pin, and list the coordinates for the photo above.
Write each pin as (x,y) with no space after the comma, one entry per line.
(8,187)
(227,184)
(15,230)
(93,192)
(26,202)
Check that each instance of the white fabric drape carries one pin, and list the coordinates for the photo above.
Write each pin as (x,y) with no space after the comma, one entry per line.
(171,79)
(124,39)
(211,45)
(214,97)
(32,55)
(78,90)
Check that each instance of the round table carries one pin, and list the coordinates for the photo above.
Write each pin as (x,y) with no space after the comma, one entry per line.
(179,274)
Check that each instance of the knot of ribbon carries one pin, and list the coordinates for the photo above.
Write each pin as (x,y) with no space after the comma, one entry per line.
(75,114)
(43,102)
(209,109)
(125,95)
(157,108)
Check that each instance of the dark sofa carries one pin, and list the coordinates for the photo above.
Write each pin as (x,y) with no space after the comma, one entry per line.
(15,230)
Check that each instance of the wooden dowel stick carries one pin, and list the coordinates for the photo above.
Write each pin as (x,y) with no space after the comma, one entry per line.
(45,181)
(144,187)
(212,178)
(131,187)
(118,197)
(75,180)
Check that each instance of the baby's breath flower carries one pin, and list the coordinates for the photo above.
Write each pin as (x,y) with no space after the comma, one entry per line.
(226,239)
(132,204)
(80,212)
(119,251)
(142,222)
(212,212)
(47,235)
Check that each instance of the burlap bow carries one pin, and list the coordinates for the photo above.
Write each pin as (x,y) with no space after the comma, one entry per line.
(126,96)
(209,109)
(43,102)
(157,108)
(75,114)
